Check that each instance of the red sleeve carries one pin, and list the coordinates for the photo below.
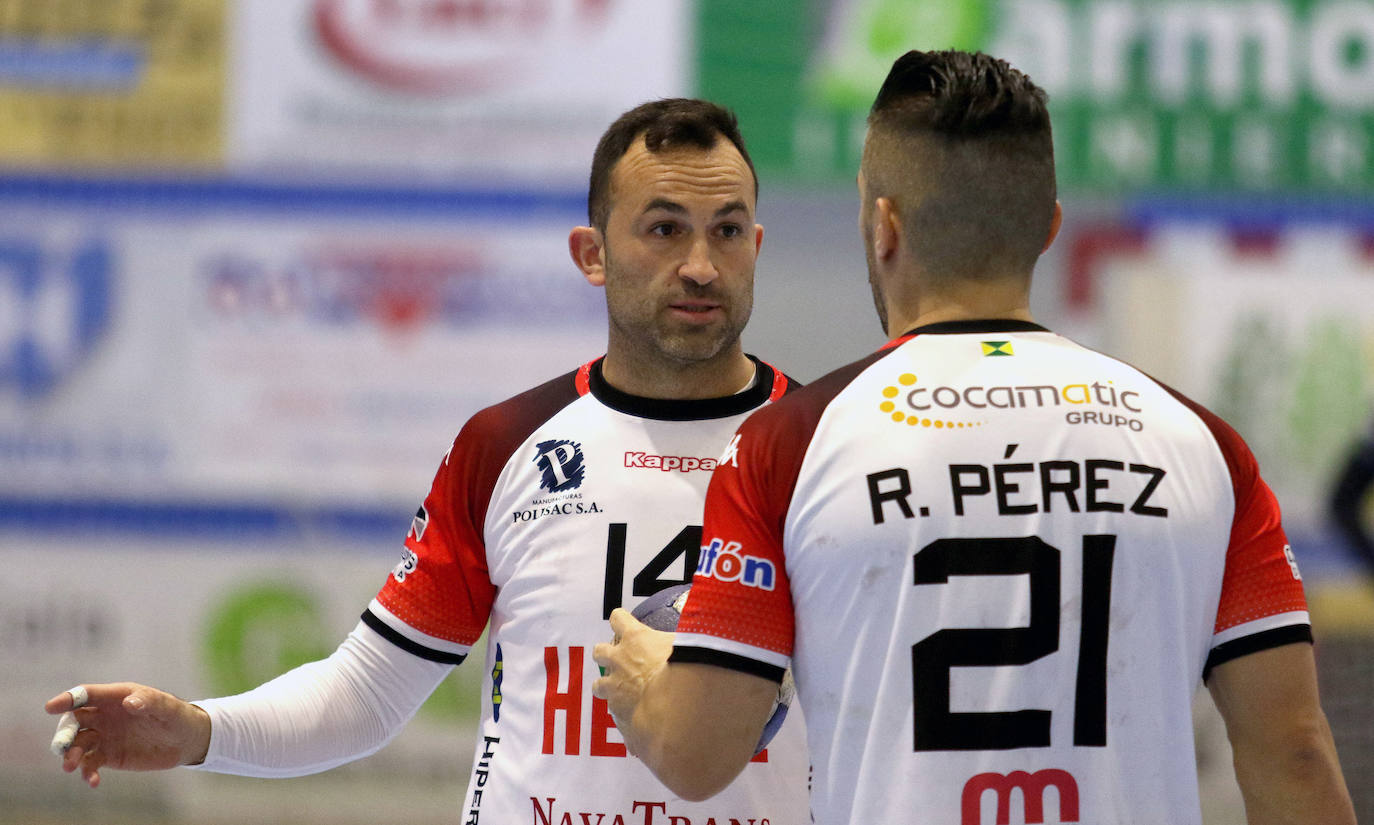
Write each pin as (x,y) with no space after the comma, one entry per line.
(1260,582)
(741,602)
(436,602)
(442,587)
(740,591)
(1261,577)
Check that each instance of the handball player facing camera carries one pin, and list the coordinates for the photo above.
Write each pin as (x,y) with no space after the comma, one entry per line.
(549,511)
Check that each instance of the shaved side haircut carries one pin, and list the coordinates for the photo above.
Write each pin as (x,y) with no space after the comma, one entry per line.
(960,143)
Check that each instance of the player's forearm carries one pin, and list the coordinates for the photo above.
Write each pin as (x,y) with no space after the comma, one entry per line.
(692,743)
(1294,778)
(322,714)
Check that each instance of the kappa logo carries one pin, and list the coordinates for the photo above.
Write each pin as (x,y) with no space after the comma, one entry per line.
(668,463)
(1032,787)
(561,463)
(731,454)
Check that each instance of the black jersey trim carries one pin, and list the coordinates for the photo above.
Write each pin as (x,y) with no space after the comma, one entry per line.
(409,646)
(1246,645)
(978,325)
(683,409)
(730,661)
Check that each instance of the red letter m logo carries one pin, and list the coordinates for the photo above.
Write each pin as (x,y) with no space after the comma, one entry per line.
(1032,787)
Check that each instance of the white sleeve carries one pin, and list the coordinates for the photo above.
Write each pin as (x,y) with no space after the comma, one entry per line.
(323,714)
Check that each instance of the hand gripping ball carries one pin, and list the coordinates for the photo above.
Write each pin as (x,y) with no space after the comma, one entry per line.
(661,612)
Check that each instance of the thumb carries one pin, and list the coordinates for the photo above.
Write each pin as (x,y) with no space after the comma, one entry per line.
(622,622)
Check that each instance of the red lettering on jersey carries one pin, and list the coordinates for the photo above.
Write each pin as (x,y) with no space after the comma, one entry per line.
(1032,786)
(602,723)
(569,701)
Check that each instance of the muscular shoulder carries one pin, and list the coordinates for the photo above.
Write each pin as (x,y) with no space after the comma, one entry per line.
(507,423)
(796,413)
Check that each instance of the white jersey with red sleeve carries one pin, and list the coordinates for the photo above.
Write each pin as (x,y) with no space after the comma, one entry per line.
(550,510)
(999,565)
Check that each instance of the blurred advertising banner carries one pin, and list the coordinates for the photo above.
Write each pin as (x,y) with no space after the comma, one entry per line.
(112,83)
(231,342)
(509,89)
(203,618)
(1273,331)
(1240,95)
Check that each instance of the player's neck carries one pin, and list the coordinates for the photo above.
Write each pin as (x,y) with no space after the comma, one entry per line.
(726,374)
(974,302)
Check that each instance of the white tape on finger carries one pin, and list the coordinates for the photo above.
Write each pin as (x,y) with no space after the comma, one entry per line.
(79,697)
(67,726)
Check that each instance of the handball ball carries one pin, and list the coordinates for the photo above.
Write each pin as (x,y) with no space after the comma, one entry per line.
(661,612)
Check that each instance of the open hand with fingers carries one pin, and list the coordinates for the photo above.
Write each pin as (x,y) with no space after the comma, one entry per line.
(126,726)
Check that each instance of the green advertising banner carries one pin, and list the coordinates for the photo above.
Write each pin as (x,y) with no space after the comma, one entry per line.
(1242,96)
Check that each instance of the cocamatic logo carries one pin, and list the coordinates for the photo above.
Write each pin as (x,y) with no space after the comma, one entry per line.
(911,413)
(445,46)
(952,408)
(54,308)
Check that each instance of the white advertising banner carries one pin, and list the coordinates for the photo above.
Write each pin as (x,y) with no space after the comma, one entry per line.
(1274,332)
(199,619)
(498,89)
(317,357)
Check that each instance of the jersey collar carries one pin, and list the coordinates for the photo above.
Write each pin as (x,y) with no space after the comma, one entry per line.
(675,409)
(977,325)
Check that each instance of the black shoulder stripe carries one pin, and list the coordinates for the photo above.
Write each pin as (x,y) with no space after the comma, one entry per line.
(731,661)
(1245,645)
(409,646)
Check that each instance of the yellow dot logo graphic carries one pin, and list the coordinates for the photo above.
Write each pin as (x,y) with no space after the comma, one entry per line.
(905,387)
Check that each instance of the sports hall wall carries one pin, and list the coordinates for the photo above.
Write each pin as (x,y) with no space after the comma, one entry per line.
(260,259)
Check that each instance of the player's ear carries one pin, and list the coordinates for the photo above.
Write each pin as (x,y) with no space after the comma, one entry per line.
(588,251)
(1055,223)
(758,239)
(887,229)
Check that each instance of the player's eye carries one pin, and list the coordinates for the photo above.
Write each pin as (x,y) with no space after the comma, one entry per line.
(663,230)
(731,230)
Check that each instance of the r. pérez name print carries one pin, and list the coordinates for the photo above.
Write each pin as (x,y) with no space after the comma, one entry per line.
(1024,487)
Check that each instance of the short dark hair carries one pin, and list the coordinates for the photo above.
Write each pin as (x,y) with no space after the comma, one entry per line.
(665,124)
(961,142)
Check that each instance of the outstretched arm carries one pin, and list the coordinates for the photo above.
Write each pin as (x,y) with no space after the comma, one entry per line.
(307,720)
(1284,755)
(694,725)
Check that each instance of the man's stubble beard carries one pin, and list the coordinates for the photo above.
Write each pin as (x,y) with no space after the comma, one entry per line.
(643,331)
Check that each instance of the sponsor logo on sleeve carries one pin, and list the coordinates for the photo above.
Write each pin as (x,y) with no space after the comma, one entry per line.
(409,561)
(418,525)
(723,561)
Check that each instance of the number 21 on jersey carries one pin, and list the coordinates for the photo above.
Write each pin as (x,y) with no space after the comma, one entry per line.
(937,728)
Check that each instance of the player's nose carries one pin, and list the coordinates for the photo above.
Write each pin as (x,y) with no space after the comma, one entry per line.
(699,268)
